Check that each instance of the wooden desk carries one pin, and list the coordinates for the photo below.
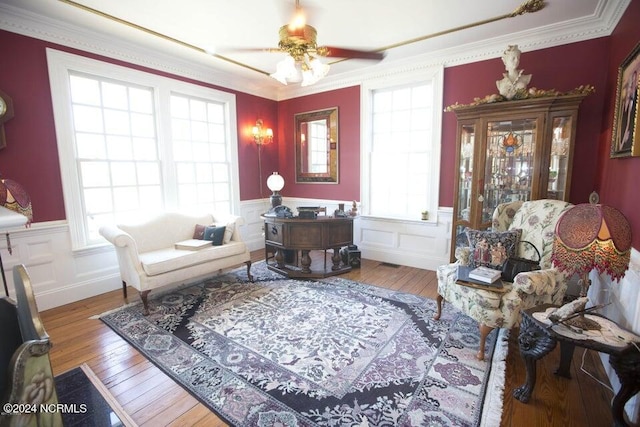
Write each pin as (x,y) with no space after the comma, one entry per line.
(305,235)
(537,339)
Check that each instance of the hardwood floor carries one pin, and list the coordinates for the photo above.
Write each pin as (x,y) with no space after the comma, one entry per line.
(152,399)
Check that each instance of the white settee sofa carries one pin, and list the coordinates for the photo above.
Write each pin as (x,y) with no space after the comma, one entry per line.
(148,258)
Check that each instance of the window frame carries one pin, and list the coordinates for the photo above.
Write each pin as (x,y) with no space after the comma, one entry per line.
(433,75)
(61,64)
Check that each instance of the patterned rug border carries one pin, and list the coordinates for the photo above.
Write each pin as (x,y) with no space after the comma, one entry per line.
(492,406)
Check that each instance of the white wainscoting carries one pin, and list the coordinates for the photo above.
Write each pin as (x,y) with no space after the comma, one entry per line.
(623,297)
(61,275)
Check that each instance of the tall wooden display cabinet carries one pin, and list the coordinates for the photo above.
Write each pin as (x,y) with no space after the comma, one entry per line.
(508,151)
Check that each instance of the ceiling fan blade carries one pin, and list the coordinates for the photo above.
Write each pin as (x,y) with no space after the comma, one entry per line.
(249,50)
(339,52)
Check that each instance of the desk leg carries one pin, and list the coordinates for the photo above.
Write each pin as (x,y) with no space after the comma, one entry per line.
(336,258)
(306,262)
(535,343)
(279,257)
(627,367)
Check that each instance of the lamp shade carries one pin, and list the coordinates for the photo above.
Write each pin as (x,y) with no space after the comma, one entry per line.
(592,236)
(275,182)
(13,196)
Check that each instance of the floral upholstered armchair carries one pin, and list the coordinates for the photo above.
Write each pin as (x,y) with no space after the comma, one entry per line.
(537,221)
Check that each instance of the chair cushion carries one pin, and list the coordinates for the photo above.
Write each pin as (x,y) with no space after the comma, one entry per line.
(491,248)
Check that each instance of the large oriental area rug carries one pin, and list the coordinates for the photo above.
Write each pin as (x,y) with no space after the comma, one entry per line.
(334,352)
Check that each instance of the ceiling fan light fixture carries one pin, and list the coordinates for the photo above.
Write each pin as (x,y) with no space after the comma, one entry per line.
(313,70)
(286,70)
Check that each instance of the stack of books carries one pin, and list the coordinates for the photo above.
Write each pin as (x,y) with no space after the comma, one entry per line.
(485,274)
(482,276)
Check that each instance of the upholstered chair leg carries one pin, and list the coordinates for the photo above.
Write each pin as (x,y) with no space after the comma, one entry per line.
(439,303)
(145,303)
(124,289)
(484,331)
(249,271)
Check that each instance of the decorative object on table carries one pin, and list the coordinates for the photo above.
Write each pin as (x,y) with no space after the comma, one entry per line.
(6,113)
(354,209)
(388,363)
(484,274)
(425,215)
(572,315)
(592,236)
(340,213)
(14,198)
(625,139)
(275,182)
(351,256)
(308,212)
(516,265)
(513,81)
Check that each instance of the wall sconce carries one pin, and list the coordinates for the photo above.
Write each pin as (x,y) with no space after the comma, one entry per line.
(261,136)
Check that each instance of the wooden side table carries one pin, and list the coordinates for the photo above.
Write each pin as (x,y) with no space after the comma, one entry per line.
(537,339)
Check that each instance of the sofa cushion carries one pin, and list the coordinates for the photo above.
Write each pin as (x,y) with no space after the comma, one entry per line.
(170,259)
(198,231)
(214,234)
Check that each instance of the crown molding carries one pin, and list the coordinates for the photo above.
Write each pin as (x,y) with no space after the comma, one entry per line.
(600,24)
(171,59)
(167,58)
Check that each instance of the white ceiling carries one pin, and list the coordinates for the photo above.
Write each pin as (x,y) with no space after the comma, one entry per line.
(131,30)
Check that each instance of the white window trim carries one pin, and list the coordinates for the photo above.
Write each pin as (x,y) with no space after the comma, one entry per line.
(435,75)
(60,64)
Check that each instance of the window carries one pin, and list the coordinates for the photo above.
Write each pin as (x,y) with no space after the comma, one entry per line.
(133,143)
(401,146)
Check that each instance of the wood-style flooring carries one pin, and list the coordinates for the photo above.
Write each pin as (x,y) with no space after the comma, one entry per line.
(153,399)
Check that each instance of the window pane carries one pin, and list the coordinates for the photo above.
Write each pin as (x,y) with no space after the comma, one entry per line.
(399,179)
(114,96)
(91,146)
(124,170)
(84,91)
(95,174)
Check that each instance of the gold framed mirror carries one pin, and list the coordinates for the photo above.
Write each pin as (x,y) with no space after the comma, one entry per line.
(316,142)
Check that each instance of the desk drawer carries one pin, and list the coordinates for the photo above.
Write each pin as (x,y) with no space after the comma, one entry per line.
(273,233)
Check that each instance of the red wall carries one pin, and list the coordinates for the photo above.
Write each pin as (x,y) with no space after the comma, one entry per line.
(348,102)
(31,156)
(617,178)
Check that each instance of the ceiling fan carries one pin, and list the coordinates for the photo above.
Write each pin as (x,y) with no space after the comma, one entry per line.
(298,40)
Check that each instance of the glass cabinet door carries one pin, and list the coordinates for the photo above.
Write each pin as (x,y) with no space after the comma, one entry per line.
(465,180)
(509,164)
(559,160)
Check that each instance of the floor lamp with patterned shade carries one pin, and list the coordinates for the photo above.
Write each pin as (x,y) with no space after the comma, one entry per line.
(592,236)
(15,210)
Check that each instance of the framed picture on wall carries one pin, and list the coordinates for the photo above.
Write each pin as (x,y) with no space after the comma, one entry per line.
(625,140)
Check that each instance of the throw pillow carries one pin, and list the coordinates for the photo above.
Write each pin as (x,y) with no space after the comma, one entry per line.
(228,232)
(492,248)
(198,232)
(215,234)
